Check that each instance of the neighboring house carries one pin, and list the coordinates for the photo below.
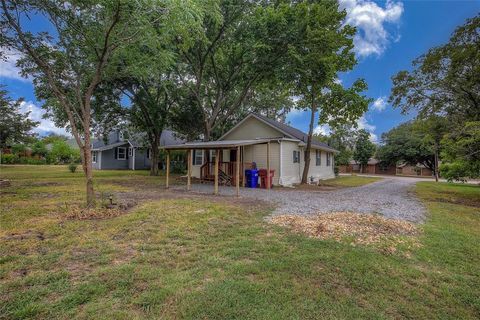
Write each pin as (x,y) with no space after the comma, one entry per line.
(373,166)
(253,135)
(404,169)
(121,152)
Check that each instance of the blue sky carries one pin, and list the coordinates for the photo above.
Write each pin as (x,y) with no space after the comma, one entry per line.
(390,35)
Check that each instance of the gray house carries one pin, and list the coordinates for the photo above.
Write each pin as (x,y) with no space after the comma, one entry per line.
(122,151)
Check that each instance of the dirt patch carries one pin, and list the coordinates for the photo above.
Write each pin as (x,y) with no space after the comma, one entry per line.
(78,213)
(28,234)
(460,201)
(362,229)
(312,188)
(45,184)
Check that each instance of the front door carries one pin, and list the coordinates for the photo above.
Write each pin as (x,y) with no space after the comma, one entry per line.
(233,155)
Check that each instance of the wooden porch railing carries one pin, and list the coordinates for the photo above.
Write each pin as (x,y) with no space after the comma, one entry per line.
(207,170)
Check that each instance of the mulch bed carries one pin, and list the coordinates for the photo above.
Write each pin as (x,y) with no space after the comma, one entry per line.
(361,229)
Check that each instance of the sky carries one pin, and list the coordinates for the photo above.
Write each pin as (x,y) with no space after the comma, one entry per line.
(390,34)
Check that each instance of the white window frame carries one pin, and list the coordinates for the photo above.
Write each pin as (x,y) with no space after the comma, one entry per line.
(120,136)
(198,154)
(94,156)
(318,158)
(296,156)
(124,153)
(130,152)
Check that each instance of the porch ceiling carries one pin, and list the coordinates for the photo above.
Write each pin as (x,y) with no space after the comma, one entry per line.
(222,144)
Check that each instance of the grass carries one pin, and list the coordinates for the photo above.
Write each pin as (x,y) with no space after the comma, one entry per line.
(214,258)
(348,181)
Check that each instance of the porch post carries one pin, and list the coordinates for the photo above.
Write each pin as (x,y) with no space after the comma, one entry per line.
(217,156)
(237,172)
(243,165)
(189,169)
(268,165)
(167,169)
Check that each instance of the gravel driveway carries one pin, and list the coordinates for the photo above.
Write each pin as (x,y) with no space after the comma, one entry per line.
(389,197)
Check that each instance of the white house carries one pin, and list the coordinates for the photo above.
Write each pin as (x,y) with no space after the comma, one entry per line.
(255,139)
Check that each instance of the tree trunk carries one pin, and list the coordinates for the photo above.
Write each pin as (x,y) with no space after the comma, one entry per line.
(88,170)
(309,144)
(436,163)
(154,147)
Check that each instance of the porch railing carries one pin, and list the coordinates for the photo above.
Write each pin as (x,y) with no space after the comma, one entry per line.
(207,170)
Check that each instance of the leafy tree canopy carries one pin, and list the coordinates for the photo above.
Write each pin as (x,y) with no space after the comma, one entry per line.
(364,148)
(15,127)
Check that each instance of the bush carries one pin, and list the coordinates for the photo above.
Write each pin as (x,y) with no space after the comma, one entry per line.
(178,167)
(9,158)
(336,171)
(72,167)
(460,170)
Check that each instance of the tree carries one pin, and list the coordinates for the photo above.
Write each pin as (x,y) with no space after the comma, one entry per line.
(322,48)
(444,80)
(69,61)
(342,138)
(62,152)
(364,148)
(15,127)
(432,131)
(406,143)
(241,46)
(461,152)
(444,83)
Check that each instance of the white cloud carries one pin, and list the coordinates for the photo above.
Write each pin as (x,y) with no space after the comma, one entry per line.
(8,68)
(323,129)
(370,20)
(362,123)
(36,113)
(379,104)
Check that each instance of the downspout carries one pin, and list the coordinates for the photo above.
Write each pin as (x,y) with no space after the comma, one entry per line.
(133,158)
(99,160)
(280,175)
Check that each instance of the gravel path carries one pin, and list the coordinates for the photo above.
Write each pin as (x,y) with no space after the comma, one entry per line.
(389,197)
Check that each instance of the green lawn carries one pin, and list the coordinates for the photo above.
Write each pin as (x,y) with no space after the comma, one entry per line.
(198,258)
(348,181)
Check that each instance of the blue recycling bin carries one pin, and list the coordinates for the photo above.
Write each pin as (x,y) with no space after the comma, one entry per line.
(251,177)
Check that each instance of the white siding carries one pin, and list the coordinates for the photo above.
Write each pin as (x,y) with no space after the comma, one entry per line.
(290,170)
(252,128)
(321,172)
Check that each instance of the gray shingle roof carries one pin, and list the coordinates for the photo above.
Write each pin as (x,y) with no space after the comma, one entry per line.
(293,132)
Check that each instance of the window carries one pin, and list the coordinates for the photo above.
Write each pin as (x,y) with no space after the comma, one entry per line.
(213,154)
(329,155)
(130,152)
(318,157)
(296,156)
(148,153)
(121,153)
(94,156)
(120,136)
(197,157)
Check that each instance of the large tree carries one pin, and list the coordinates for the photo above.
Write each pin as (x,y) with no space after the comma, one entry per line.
(323,48)
(405,143)
(445,80)
(69,58)
(242,46)
(15,127)
(364,148)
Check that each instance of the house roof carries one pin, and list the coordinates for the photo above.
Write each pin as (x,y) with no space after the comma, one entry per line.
(370,161)
(136,140)
(287,130)
(219,144)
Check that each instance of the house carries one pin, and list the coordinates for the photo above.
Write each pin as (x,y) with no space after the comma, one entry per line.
(373,166)
(122,151)
(405,169)
(265,142)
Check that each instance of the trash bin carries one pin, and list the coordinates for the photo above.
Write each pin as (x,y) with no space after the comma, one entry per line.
(263,178)
(251,177)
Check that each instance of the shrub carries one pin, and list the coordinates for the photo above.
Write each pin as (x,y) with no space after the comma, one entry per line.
(336,171)
(72,167)
(459,171)
(9,158)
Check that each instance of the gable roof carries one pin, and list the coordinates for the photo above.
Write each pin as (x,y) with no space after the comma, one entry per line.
(136,140)
(285,129)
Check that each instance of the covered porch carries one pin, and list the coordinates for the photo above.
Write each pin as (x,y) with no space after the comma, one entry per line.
(230,172)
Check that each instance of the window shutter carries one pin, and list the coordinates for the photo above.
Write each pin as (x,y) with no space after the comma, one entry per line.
(116,153)
(294,156)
